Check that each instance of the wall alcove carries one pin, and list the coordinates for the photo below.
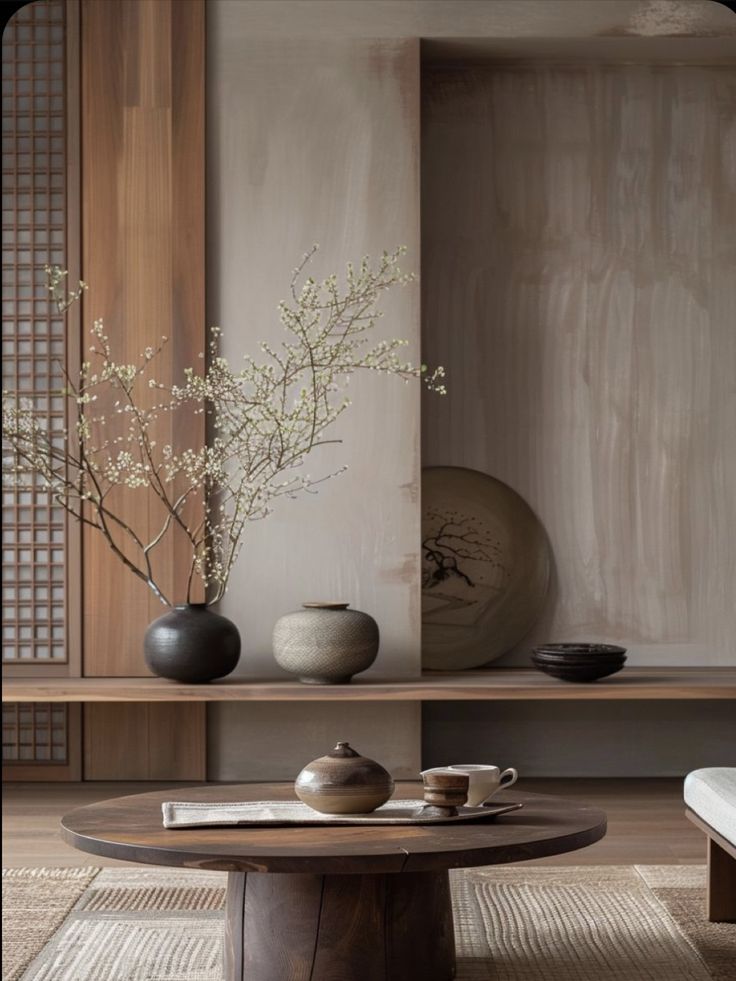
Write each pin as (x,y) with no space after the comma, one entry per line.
(578,216)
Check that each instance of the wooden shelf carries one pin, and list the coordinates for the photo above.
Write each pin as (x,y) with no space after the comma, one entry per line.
(490,685)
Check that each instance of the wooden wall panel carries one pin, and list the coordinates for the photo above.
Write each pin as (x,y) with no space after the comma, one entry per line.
(140,741)
(143,256)
(578,257)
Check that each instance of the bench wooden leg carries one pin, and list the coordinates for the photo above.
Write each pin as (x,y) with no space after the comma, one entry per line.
(721,900)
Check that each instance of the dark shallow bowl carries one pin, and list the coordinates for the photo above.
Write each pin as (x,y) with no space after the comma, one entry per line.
(576,650)
(597,659)
(582,672)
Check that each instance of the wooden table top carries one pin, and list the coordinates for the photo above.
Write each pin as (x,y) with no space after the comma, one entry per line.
(131,828)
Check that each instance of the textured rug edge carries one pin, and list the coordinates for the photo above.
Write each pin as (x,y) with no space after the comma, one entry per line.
(25,937)
(714,944)
(668,915)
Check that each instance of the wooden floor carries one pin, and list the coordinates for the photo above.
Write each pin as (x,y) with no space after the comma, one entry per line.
(647,825)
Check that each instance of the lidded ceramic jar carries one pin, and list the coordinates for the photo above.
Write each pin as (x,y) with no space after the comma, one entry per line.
(325,643)
(344,782)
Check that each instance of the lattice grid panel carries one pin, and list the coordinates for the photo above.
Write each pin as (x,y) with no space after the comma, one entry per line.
(33,335)
(35,733)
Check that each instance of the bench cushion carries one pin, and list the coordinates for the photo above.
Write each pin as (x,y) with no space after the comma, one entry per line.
(711,794)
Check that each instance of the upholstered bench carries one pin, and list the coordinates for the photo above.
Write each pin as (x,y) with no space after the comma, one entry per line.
(710,796)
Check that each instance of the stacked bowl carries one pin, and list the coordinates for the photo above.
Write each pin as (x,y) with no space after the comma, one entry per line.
(579,662)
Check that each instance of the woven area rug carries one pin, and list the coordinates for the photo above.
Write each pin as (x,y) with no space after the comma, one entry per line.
(599,923)
(35,904)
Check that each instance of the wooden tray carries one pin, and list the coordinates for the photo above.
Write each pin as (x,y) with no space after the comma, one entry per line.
(281,813)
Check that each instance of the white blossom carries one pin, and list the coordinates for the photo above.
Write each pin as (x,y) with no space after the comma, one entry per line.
(263,420)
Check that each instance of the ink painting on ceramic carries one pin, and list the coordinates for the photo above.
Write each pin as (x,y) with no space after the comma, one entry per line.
(485,568)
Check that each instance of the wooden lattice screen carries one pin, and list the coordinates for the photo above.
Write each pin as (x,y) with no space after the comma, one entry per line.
(34,733)
(36,566)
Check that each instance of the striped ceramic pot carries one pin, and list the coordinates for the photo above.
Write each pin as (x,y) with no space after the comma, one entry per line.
(344,782)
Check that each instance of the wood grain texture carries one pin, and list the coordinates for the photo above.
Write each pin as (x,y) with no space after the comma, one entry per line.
(131,828)
(646,823)
(721,890)
(233,948)
(498,684)
(578,255)
(143,212)
(352,927)
(143,741)
(721,896)
(73,567)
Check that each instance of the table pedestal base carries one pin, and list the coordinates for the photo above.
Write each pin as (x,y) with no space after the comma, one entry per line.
(393,927)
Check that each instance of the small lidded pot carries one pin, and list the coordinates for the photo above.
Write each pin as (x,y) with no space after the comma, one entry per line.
(344,782)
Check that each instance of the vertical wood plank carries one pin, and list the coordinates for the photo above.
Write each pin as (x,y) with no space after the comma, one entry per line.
(721,892)
(143,208)
(281,917)
(115,741)
(234,925)
(176,741)
(351,938)
(142,741)
(414,900)
(73,539)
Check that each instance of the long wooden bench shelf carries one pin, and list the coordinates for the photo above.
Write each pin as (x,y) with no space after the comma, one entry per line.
(490,685)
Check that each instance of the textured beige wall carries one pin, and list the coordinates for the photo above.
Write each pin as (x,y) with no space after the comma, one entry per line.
(476,18)
(313,136)
(268,741)
(318,141)
(579,246)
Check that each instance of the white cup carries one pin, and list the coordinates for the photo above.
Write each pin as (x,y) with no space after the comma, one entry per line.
(484,781)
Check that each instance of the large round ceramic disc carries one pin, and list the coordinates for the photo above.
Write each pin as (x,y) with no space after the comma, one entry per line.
(485,568)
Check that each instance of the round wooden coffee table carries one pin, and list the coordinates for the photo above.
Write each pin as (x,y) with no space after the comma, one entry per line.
(329,903)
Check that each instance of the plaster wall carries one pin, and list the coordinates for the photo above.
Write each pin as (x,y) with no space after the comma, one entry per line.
(318,141)
(571,216)
(446,19)
(578,255)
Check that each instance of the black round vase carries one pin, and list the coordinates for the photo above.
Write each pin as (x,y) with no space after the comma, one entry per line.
(192,644)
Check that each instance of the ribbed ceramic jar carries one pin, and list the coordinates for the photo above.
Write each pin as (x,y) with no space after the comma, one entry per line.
(325,643)
(344,782)
(192,644)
